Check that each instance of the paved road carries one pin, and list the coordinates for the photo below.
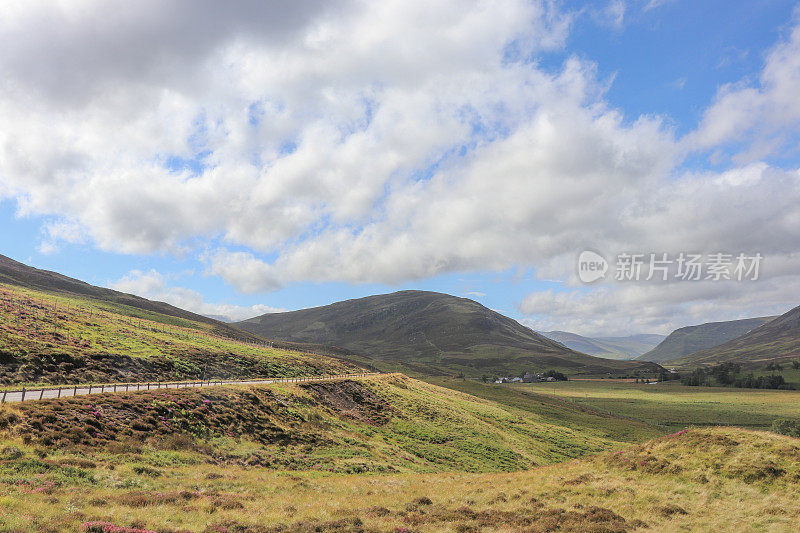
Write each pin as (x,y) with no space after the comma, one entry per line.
(81,390)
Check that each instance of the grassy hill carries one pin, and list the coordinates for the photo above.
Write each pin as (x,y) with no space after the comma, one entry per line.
(293,457)
(57,330)
(46,282)
(690,339)
(628,347)
(429,333)
(776,340)
(390,423)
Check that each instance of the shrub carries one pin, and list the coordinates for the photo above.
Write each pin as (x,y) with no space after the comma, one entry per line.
(144,470)
(696,378)
(786,427)
(558,376)
(11,453)
(108,527)
(763,382)
(671,509)
(176,442)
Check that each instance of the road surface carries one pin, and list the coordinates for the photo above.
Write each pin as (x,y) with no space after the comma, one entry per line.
(42,393)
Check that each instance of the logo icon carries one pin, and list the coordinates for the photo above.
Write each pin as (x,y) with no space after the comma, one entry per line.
(591,266)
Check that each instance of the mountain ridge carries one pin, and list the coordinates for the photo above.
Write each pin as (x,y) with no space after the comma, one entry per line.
(624,347)
(427,328)
(776,340)
(690,339)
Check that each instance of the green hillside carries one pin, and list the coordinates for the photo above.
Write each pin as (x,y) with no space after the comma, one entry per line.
(18,274)
(777,340)
(294,458)
(430,333)
(628,347)
(57,330)
(690,339)
(390,423)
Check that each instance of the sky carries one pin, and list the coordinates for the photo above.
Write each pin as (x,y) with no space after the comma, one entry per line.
(238,159)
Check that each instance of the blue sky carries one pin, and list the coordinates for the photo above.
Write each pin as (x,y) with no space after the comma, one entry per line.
(401,147)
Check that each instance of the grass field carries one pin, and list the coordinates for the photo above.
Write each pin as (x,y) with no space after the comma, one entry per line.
(556,410)
(54,338)
(717,479)
(388,454)
(675,406)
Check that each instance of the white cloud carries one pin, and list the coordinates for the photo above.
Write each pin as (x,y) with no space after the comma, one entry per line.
(370,142)
(613,14)
(764,117)
(629,308)
(153,285)
(654,4)
(366,95)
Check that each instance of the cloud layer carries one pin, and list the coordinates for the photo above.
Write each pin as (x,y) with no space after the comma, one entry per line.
(382,142)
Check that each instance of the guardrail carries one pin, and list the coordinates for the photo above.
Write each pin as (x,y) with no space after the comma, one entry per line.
(63,391)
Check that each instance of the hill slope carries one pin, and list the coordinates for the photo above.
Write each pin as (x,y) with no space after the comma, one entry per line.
(386,423)
(776,340)
(628,347)
(55,329)
(21,275)
(690,339)
(428,333)
(250,460)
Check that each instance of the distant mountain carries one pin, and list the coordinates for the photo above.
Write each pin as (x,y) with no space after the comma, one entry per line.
(690,339)
(16,273)
(430,333)
(628,347)
(776,340)
(220,318)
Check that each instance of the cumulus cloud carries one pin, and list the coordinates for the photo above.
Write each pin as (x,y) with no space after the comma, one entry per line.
(761,117)
(154,286)
(266,121)
(373,142)
(658,307)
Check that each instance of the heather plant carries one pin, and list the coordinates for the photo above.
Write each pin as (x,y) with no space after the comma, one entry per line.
(49,338)
(367,460)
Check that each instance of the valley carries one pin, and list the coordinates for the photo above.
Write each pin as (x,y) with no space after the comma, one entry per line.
(375,455)
(527,266)
(290,448)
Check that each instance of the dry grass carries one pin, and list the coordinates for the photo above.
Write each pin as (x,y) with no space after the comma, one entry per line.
(707,485)
(722,479)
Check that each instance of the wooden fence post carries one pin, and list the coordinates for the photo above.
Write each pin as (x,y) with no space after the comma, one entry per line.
(23,394)
(4,397)
(41,394)
(59,392)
